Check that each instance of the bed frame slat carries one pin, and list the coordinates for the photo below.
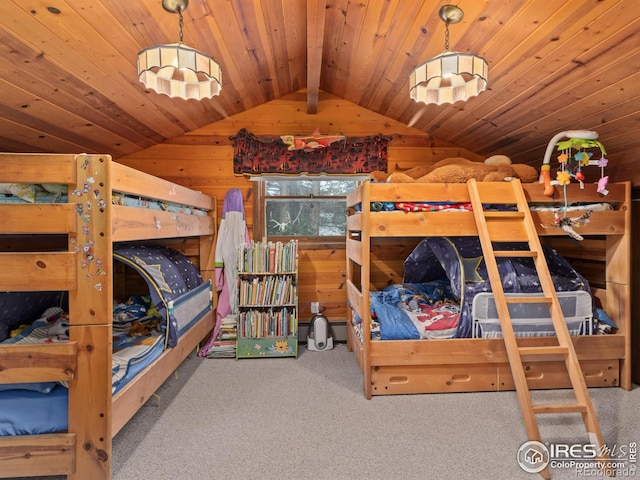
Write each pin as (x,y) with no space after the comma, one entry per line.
(24,272)
(31,455)
(33,363)
(38,218)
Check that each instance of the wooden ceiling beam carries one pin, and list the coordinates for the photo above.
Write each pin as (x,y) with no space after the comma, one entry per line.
(315,40)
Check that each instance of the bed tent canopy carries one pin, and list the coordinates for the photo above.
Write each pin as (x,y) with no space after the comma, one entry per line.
(459,262)
(169,276)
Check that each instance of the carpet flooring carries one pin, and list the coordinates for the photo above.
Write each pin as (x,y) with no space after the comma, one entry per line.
(307,418)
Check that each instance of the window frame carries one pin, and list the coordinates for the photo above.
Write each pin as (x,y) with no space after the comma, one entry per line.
(259,206)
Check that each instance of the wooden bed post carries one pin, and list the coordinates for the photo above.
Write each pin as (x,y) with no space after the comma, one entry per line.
(207,251)
(358,252)
(207,263)
(618,282)
(91,307)
(365,275)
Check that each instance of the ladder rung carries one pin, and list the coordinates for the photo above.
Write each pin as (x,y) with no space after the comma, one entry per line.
(518,226)
(503,215)
(544,350)
(560,408)
(523,299)
(515,253)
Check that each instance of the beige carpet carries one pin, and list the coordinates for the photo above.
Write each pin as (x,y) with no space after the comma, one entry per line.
(307,418)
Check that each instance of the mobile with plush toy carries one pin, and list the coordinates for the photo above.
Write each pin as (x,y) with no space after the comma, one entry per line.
(576,153)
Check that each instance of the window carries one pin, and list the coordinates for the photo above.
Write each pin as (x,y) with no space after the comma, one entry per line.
(311,207)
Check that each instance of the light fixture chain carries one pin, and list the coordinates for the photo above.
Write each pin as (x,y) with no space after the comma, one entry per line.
(446,36)
(180,24)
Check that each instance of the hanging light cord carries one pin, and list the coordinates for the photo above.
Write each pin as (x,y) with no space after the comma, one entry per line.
(446,36)
(180,24)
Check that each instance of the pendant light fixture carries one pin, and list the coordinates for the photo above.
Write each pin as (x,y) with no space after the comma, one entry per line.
(450,76)
(176,69)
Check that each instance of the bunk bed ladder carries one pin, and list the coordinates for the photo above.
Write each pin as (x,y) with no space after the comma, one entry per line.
(520,224)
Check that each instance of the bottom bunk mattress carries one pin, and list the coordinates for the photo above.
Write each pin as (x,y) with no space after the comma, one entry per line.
(33,408)
(446,294)
(414,311)
(423,311)
(459,261)
(144,326)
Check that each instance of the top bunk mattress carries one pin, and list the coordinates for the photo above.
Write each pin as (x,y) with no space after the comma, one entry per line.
(26,193)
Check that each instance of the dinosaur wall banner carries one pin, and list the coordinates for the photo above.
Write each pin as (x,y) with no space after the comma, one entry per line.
(312,154)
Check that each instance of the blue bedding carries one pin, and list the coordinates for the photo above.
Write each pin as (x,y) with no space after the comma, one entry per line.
(415,311)
(32,408)
(42,407)
(33,411)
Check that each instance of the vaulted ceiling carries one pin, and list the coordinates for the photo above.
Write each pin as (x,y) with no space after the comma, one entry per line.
(68,71)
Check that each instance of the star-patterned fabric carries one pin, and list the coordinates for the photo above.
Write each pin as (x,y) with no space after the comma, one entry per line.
(460,260)
(168,273)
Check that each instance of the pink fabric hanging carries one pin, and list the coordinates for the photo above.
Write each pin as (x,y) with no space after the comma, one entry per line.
(231,234)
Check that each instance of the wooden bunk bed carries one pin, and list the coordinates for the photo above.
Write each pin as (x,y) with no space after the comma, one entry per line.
(379,241)
(42,249)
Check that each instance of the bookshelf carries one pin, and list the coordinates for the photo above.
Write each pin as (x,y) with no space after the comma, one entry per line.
(267,300)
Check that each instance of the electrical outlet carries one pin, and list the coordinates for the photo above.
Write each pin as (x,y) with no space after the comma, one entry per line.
(315,307)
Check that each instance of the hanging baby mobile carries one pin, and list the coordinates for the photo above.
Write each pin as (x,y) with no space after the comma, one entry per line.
(580,150)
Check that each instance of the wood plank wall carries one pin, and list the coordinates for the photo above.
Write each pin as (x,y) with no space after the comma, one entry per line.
(203,160)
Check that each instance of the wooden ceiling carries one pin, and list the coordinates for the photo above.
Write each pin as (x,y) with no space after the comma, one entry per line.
(68,72)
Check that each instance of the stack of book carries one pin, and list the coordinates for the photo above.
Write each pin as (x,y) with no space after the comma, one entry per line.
(268,257)
(225,345)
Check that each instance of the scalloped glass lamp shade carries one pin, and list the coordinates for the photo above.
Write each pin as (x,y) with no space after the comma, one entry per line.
(448,78)
(179,71)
